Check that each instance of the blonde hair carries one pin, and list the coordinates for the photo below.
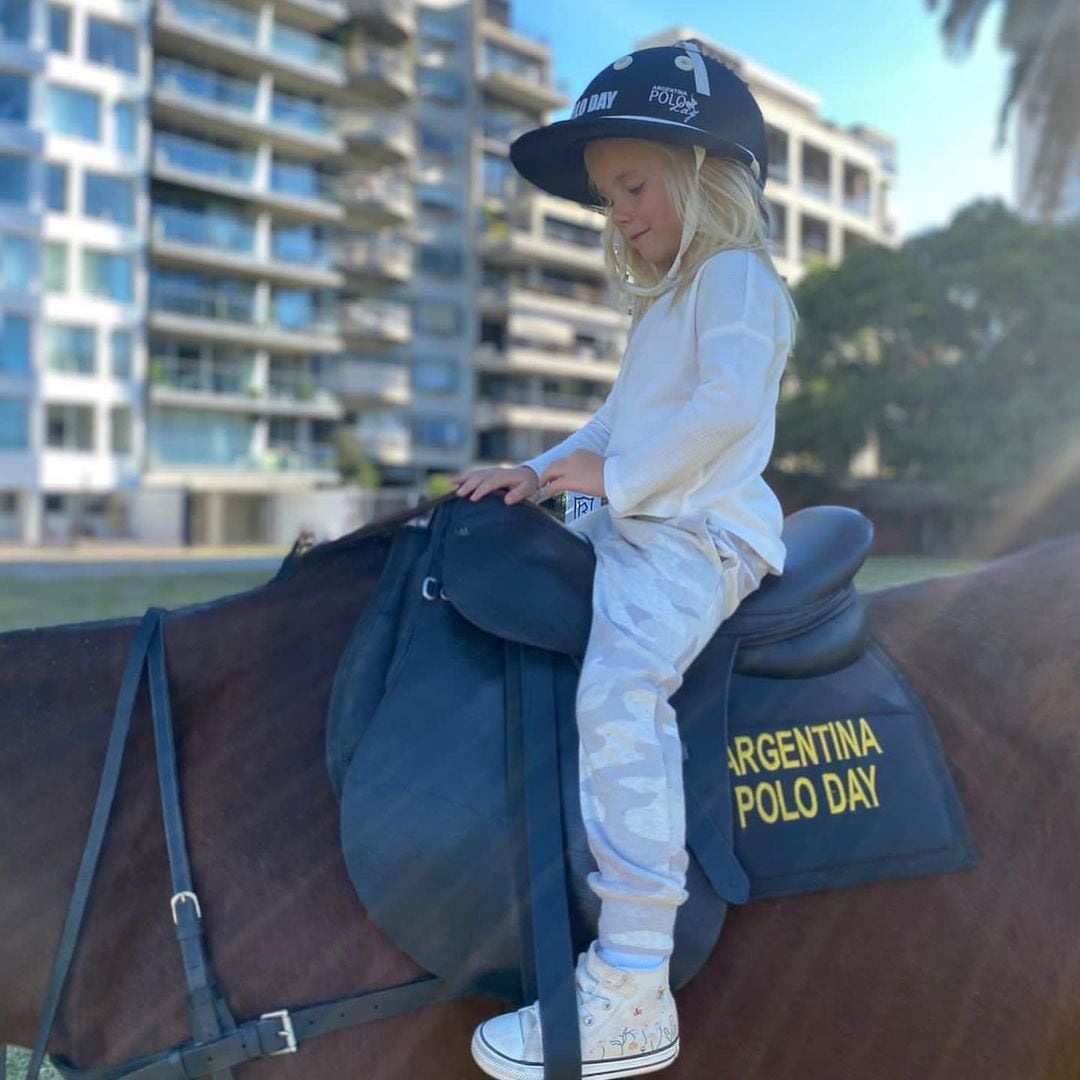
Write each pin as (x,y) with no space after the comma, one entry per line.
(729,212)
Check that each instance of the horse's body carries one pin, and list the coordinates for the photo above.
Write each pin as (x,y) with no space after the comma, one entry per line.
(969,974)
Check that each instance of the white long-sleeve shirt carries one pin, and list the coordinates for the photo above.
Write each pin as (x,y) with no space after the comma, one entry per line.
(689,425)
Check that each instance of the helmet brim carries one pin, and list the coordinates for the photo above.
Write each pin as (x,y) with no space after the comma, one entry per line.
(553,157)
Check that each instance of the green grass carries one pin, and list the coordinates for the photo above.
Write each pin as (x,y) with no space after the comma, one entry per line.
(26,603)
(17,1060)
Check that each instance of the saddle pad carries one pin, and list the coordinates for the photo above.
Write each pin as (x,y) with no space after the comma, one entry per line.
(839,779)
(823,781)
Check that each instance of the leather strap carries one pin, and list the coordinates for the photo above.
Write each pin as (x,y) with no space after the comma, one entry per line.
(209,1011)
(110,775)
(275,1033)
(530,713)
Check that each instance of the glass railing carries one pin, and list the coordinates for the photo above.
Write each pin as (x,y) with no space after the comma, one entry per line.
(375,127)
(182,298)
(858,204)
(375,187)
(385,318)
(206,87)
(181,225)
(778,170)
(218,18)
(299,47)
(192,155)
(302,115)
(306,253)
(288,458)
(377,61)
(301,181)
(199,376)
(375,250)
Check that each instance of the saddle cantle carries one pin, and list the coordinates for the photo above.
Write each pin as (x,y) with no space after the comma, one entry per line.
(808,761)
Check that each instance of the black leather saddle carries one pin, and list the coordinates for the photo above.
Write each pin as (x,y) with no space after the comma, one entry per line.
(452,744)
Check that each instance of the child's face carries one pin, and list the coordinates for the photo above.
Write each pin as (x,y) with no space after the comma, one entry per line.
(629,173)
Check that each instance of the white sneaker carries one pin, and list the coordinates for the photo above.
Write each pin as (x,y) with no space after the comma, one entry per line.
(627,1021)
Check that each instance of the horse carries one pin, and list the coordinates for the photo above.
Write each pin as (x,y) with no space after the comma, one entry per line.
(975,973)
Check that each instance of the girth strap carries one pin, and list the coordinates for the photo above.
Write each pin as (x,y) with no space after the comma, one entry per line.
(533,775)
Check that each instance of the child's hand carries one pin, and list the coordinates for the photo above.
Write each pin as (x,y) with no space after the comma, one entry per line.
(582,471)
(520,481)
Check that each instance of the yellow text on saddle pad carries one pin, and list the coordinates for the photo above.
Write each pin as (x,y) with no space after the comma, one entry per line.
(839,789)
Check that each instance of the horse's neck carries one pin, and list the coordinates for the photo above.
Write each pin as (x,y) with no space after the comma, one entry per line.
(56,701)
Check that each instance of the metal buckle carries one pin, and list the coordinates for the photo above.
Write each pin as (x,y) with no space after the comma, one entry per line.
(431,590)
(287,1032)
(190,897)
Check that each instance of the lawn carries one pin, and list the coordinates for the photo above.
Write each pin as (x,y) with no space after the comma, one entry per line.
(26,603)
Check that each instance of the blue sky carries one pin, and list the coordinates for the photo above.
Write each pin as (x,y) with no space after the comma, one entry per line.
(881,62)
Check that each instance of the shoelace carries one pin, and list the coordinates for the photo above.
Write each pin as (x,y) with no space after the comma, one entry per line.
(584,992)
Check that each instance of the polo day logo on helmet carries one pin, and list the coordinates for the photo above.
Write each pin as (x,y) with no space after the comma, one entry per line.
(591,102)
(677,101)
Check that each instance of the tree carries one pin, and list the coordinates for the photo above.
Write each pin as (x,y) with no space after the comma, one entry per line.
(352,463)
(958,352)
(1044,38)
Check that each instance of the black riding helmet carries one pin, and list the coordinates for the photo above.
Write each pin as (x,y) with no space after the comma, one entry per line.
(671,93)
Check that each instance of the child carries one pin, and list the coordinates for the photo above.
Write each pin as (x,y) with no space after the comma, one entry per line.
(671,144)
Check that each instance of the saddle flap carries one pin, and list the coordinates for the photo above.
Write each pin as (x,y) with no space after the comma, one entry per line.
(518,574)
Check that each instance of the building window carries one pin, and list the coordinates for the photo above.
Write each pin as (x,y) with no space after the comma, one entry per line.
(120,348)
(440,85)
(120,430)
(500,179)
(108,275)
(69,427)
(16,263)
(111,198)
(15,23)
(436,376)
(14,428)
(73,112)
(112,45)
(14,180)
(59,28)
(439,432)
(443,262)
(14,98)
(55,267)
(126,135)
(438,317)
(70,349)
(435,142)
(56,177)
(14,344)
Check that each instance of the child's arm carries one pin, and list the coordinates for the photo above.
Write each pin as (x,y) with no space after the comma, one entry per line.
(738,382)
(593,436)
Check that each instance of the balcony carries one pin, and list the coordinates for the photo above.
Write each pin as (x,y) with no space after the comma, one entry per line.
(387,257)
(175,153)
(373,381)
(295,393)
(377,199)
(816,187)
(391,22)
(377,321)
(313,15)
(857,204)
(205,231)
(522,86)
(384,76)
(385,440)
(587,362)
(378,138)
(510,244)
(196,29)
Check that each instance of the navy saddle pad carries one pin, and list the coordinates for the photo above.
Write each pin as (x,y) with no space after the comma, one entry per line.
(806,754)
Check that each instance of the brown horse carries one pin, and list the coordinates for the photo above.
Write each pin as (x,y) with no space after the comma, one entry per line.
(973,974)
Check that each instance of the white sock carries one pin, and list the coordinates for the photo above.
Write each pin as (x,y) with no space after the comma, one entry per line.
(634,961)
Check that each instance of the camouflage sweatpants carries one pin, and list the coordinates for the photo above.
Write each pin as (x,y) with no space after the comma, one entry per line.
(662,588)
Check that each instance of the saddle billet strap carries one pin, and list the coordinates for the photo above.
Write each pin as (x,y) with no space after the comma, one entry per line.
(110,775)
(210,1013)
(710,826)
(530,725)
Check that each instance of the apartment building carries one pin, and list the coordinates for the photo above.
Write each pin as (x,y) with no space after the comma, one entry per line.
(828,187)
(233,229)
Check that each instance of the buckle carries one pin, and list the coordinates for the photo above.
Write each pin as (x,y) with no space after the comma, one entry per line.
(431,590)
(287,1032)
(191,898)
